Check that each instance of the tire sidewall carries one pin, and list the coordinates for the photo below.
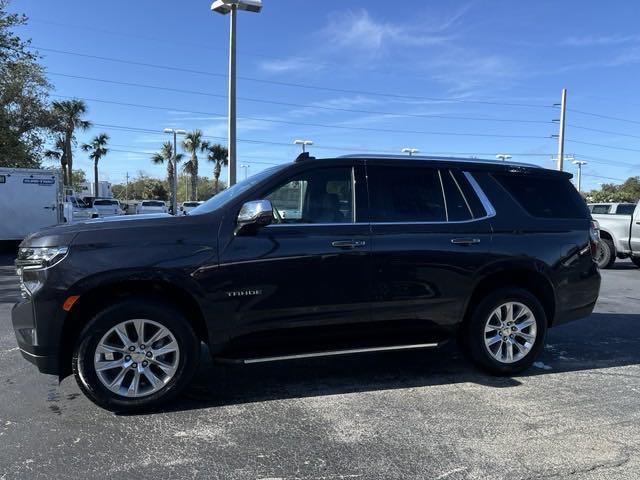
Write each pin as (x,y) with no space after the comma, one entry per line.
(101,323)
(476,334)
(607,246)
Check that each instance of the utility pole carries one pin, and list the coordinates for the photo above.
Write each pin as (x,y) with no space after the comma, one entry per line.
(579,163)
(563,109)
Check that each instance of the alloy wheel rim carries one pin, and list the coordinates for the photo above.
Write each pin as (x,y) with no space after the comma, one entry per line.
(510,332)
(136,358)
(601,254)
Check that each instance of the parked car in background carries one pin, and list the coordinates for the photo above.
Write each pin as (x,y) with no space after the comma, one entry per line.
(151,206)
(612,208)
(107,207)
(490,253)
(619,232)
(186,207)
(77,210)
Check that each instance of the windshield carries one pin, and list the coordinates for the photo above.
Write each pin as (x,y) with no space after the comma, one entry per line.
(76,201)
(219,200)
(190,204)
(153,204)
(105,202)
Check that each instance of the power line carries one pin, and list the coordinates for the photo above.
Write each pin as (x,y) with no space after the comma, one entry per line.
(608,117)
(299,105)
(603,131)
(298,85)
(604,146)
(308,124)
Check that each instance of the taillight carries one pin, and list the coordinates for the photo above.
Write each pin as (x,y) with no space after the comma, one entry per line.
(594,237)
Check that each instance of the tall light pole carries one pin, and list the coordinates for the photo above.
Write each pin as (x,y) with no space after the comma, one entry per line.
(174,186)
(579,163)
(223,7)
(304,143)
(246,170)
(503,156)
(410,151)
(563,109)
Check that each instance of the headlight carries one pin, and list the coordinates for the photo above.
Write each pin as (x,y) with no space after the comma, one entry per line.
(39,257)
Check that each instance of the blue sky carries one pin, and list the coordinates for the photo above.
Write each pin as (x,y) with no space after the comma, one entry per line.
(465,77)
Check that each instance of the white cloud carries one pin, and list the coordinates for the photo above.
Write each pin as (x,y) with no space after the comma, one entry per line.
(292,64)
(602,40)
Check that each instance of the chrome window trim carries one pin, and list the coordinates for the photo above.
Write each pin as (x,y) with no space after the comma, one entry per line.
(486,204)
(488,207)
(444,197)
(462,194)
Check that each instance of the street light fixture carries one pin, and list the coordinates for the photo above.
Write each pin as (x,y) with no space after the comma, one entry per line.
(223,7)
(503,156)
(174,186)
(304,143)
(246,169)
(579,163)
(410,151)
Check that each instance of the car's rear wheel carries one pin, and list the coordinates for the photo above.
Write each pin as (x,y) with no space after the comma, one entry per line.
(135,355)
(506,331)
(605,254)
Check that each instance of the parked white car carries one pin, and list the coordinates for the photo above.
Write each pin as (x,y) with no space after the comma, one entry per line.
(107,207)
(186,207)
(152,206)
(619,233)
(76,210)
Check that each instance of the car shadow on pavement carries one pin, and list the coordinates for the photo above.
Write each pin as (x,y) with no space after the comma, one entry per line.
(597,346)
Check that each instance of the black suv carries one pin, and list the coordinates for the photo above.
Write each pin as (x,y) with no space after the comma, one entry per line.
(316,257)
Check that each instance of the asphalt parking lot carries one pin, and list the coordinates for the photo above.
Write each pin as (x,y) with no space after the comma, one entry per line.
(411,415)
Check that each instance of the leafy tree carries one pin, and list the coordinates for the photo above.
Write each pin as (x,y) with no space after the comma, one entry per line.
(57,153)
(219,155)
(193,144)
(629,191)
(98,149)
(67,117)
(165,156)
(24,89)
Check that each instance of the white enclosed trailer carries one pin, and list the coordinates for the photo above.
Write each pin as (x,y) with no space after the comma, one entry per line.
(30,200)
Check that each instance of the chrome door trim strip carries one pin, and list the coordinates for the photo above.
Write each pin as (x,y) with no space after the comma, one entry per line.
(338,352)
(491,212)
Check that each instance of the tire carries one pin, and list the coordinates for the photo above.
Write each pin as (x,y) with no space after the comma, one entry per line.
(482,315)
(606,254)
(181,361)
(636,261)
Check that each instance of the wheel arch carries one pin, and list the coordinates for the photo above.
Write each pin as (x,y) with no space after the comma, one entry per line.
(525,277)
(99,296)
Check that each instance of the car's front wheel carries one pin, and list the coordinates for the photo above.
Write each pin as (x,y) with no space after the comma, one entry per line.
(506,331)
(135,355)
(605,254)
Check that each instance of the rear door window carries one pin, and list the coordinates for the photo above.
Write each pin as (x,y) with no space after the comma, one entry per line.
(405,194)
(457,207)
(545,196)
(600,209)
(625,209)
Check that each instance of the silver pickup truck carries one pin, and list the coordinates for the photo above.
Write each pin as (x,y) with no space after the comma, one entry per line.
(619,233)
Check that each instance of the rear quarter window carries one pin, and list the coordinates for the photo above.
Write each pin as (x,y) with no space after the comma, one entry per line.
(545,196)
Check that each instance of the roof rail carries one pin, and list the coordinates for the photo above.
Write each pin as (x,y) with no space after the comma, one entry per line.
(437,158)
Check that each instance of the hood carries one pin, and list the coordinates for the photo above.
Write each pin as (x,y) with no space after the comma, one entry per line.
(120,226)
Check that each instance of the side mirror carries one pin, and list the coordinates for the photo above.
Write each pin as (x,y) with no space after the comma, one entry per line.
(253,216)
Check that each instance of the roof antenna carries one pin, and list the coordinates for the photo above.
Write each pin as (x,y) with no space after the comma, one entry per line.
(304,156)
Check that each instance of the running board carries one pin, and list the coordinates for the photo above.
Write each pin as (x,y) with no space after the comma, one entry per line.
(330,353)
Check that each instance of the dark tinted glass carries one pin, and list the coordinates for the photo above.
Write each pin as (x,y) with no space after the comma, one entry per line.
(625,209)
(457,208)
(545,197)
(316,196)
(469,193)
(600,209)
(405,194)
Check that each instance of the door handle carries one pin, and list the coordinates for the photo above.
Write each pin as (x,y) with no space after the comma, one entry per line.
(465,241)
(348,243)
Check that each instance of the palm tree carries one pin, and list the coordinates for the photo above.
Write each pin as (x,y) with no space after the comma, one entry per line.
(57,153)
(98,149)
(165,155)
(219,155)
(193,144)
(68,117)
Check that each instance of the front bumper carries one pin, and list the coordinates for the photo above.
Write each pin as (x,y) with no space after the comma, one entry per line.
(46,358)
